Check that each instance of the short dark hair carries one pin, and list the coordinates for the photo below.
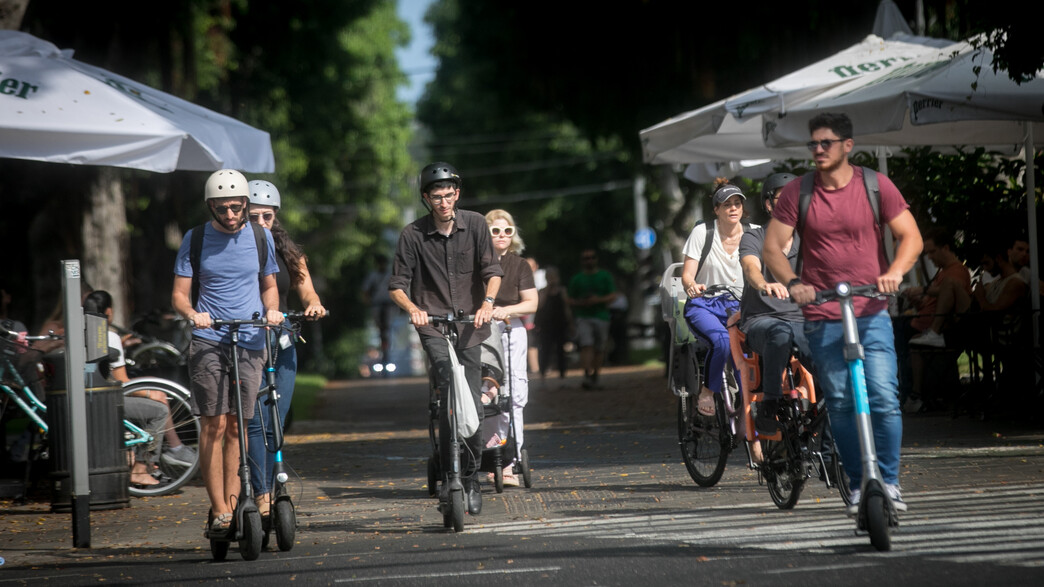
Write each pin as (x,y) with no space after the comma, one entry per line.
(941,237)
(97,302)
(838,122)
(438,185)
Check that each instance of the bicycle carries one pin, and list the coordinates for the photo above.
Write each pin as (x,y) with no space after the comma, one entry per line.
(247,528)
(447,483)
(705,441)
(283,516)
(171,476)
(798,450)
(877,514)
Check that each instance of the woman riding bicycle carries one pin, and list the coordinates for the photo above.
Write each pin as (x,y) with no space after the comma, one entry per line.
(293,272)
(717,266)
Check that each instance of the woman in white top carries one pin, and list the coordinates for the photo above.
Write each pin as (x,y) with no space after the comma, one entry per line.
(707,316)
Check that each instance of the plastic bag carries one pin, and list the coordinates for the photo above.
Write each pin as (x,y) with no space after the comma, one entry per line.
(463,405)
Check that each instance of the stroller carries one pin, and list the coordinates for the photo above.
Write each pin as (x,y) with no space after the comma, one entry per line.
(499,454)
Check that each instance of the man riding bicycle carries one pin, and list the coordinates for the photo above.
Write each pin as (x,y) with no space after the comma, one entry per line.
(446,261)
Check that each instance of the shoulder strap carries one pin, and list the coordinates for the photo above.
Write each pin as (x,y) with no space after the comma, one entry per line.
(707,244)
(873,193)
(261,243)
(804,200)
(195,252)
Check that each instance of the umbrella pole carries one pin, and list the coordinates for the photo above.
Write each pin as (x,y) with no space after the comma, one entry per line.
(1031,210)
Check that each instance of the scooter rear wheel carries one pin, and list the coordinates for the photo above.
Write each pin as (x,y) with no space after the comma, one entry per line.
(527,475)
(218,549)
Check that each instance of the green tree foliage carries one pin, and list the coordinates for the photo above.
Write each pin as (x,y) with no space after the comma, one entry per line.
(318,75)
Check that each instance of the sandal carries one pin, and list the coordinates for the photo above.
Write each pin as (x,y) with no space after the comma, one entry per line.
(705,403)
(264,505)
(218,525)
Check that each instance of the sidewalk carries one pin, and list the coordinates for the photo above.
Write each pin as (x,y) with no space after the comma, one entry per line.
(357,413)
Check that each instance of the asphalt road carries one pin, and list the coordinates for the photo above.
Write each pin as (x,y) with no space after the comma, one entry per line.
(611,504)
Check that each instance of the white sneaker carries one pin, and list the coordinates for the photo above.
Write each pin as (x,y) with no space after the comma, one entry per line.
(929,338)
(853,508)
(897,497)
(180,456)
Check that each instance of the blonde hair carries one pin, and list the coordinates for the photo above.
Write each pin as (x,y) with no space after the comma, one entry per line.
(517,245)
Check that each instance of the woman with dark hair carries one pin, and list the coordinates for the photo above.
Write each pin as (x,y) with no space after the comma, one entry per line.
(719,265)
(293,274)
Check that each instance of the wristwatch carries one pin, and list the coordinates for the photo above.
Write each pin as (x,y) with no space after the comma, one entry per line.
(793,282)
(488,299)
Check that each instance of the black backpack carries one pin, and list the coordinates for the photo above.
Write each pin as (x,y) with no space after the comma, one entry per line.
(196,251)
(873,194)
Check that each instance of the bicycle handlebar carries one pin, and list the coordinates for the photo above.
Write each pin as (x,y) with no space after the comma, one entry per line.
(847,290)
(450,318)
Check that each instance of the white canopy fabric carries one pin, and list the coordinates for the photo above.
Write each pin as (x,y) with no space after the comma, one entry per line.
(731,129)
(54,108)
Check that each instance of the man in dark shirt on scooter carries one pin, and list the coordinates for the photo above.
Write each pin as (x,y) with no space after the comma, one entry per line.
(445,263)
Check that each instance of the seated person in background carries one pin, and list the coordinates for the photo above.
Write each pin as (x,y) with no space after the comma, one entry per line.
(774,325)
(1007,295)
(947,296)
(148,410)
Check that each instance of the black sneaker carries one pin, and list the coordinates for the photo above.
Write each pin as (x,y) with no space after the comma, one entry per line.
(765,420)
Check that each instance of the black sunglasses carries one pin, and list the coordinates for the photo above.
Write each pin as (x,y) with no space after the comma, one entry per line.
(268,216)
(825,143)
(235,208)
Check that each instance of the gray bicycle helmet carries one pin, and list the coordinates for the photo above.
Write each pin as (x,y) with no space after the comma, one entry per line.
(263,193)
(437,172)
(773,183)
(226,183)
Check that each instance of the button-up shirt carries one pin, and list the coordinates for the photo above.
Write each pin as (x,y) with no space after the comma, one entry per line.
(443,274)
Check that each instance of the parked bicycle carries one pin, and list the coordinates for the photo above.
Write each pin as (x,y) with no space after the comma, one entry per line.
(170,473)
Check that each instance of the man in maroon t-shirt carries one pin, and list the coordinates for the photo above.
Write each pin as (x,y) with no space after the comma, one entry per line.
(841,241)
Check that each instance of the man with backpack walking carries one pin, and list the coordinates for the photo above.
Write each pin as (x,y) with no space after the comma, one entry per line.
(225,270)
(842,231)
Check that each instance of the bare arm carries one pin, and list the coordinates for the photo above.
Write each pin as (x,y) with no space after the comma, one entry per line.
(485,310)
(692,289)
(528,305)
(777,235)
(418,317)
(180,299)
(904,227)
(306,291)
(752,273)
(270,299)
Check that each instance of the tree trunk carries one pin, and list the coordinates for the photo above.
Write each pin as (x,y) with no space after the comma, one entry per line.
(11,13)
(105,240)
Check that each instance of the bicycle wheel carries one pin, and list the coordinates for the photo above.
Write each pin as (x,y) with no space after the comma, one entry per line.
(156,359)
(700,438)
(786,480)
(171,472)
(835,470)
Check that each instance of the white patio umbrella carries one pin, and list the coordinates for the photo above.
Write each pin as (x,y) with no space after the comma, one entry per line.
(55,108)
(937,99)
(731,129)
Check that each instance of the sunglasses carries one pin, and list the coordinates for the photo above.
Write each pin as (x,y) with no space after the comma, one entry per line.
(267,216)
(235,208)
(507,230)
(825,143)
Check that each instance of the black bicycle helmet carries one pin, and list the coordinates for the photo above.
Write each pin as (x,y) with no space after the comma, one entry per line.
(438,172)
(773,183)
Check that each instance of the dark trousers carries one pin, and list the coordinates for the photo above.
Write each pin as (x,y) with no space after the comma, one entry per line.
(438,355)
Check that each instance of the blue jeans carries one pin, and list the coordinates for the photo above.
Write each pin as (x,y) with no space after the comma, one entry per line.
(826,340)
(707,318)
(261,459)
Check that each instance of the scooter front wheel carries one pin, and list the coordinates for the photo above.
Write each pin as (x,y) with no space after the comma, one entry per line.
(527,474)
(284,518)
(877,525)
(253,534)
(457,509)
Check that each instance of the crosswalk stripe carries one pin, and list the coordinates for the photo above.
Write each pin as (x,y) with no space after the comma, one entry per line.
(1002,525)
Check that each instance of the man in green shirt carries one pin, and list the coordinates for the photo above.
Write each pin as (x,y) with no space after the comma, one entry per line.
(590,293)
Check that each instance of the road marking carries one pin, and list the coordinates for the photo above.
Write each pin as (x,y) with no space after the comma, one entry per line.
(1003,525)
(459,574)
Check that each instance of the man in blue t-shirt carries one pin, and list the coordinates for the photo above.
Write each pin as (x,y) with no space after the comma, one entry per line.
(231,286)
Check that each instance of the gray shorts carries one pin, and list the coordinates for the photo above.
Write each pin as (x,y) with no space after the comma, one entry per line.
(592,332)
(211,379)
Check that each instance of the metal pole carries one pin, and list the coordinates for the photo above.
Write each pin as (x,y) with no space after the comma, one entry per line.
(75,353)
(1031,210)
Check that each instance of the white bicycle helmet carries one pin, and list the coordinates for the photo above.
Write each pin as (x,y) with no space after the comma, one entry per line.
(263,193)
(226,183)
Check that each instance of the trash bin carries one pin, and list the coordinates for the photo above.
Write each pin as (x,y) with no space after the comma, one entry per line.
(108,469)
